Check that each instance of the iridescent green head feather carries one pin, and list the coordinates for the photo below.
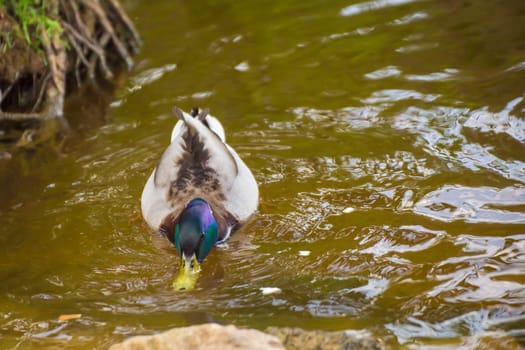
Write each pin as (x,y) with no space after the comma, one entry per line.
(196,232)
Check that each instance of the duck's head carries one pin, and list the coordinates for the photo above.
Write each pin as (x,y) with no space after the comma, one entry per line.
(196,232)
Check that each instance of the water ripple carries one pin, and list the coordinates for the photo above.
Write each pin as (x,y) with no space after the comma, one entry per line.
(441,131)
(386,72)
(502,122)
(474,205)
(356,9)
(396,95)
(416,16)
(471,324)
(149,76)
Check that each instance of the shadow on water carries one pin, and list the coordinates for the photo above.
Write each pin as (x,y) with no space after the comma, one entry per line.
(31,152)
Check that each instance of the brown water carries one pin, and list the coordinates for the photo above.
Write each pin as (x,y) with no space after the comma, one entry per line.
(388,139)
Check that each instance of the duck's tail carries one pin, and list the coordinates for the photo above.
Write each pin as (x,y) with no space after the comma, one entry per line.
(204,117)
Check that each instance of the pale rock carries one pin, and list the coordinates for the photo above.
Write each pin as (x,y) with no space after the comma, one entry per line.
(203,337)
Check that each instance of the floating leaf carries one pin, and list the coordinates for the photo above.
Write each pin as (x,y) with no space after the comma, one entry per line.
(67,317)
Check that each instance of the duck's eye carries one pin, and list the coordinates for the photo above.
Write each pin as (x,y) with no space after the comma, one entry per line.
(201,239)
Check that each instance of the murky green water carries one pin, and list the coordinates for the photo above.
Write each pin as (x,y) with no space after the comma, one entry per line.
(388,138)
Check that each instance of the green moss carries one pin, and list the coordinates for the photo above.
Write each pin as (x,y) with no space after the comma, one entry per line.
(33,18)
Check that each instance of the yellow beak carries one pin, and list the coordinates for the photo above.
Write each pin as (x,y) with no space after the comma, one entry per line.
(188,274)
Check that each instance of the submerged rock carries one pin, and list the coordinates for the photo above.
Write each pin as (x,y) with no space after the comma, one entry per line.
(204,337)
(298,339)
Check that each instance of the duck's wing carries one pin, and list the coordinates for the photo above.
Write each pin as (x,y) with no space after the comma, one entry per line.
(196,163)
(196,148)
(242,198)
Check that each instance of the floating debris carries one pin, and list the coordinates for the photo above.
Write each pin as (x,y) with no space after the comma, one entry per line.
(67,317)
(242,67)
(348,210)
(270,290)
(304,252)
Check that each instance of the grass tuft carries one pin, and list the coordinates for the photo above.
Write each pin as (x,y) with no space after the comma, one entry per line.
(33,18)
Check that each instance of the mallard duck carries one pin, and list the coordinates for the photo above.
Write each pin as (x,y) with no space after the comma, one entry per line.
(200,192)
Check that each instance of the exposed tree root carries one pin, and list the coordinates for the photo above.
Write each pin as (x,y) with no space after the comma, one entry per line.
(97,37)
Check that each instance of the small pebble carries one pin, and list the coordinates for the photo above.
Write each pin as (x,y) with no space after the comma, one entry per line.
(270,290)
(304,252)
(348,210)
